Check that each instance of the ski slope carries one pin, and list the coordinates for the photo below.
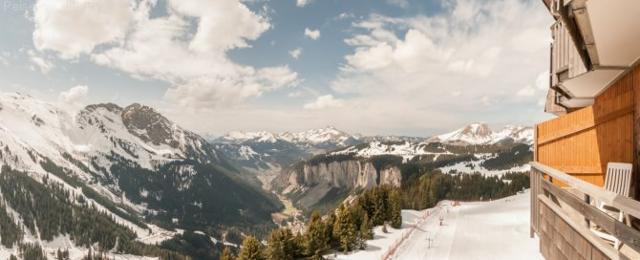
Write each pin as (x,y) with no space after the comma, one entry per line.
(474,230)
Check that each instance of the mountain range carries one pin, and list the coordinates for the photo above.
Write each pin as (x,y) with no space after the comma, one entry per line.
(131,164)
(158,189)
(265,151)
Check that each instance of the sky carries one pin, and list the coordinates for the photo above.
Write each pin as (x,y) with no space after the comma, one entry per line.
(387,67)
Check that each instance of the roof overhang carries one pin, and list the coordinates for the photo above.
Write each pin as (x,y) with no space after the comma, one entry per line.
(610,32)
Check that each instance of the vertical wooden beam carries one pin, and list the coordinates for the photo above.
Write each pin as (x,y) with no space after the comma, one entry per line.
(635,79)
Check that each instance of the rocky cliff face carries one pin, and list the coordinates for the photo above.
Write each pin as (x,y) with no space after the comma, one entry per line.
(310,184)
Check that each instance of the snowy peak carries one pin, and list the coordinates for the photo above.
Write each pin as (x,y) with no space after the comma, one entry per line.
(328,135)
(241,137)
(476,133)
(480,133)
(150,126)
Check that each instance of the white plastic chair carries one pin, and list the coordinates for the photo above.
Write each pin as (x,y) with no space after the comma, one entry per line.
(618,180)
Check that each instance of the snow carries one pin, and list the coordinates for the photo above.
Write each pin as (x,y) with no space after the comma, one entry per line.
(471,167)
(479,133)
(246,152)
(406,150)
(310,137)
(32,131)
(472,230)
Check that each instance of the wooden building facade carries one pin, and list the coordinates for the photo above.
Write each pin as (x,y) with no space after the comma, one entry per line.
(595,92)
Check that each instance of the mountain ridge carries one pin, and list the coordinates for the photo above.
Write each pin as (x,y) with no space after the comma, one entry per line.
(130,163)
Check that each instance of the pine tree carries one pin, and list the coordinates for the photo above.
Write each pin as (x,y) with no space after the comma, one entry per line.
(252,249)
(281,245)
(226,254)
(344,229)
(395,204)
(329,222)
(315,238)
(379,210)
(366,228)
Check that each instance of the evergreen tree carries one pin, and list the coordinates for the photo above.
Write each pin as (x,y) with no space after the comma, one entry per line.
(252,249)
(395,205)
(315,237)
(366,229)
(281,245)
(344,229)
(226,254)
(298,245)
(329,222)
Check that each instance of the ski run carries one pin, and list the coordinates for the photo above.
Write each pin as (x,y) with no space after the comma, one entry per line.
(466,230)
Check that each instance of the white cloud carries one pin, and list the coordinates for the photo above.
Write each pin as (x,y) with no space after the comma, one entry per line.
(187,47)
(295,53)
(399,3)
(78,26)
(302,3)
(344,16)
(326,101)
(74,96)
(4,58)
(527,91)
(40,63)
(312,34)
(542,81)
(228,18)
(462,61)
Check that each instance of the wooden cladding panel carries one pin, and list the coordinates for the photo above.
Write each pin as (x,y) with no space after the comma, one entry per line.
(581,143)
(558,240)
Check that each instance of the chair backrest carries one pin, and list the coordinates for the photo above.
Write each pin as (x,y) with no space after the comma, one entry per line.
(618,178)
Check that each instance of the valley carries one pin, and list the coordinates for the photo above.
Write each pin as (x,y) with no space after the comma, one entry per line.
(167,189)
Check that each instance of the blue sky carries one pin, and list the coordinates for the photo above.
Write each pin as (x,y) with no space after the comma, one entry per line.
(371,67)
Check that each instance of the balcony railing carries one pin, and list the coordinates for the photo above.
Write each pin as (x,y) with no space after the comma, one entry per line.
(566,63)
(562,215)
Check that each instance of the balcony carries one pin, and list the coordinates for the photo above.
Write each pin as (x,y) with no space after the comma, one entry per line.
(563,214)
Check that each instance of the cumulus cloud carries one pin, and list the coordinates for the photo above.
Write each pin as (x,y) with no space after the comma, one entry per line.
(312,34)
(295,53)
(302,3)
(426,62)
(326,101)
(39,63)
(74,96)
(78,26)
(187,47)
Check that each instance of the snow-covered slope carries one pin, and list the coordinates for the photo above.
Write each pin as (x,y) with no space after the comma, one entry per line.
(130,162)
(405,149)
(472,230)
(99,132)
(479,133)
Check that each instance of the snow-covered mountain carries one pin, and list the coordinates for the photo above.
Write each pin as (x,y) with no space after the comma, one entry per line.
(479,133)
(265,151)
(326,178)
(321,137)
(130,162)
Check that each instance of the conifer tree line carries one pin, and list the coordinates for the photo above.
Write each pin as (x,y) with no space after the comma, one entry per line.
(429,189)
(346,229)
(47,209)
